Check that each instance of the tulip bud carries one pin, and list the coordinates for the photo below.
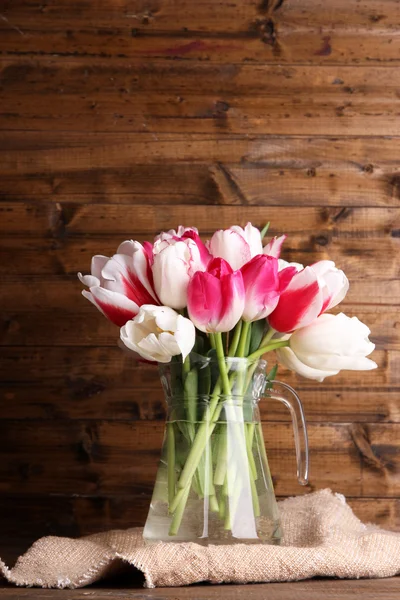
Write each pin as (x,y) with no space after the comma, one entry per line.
(175,262)
(118,286)
(331,343)
(261,284)
(216,297)
(158,333)
(236,245)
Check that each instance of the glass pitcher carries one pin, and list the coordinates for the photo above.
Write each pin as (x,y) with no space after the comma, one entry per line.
(213,483)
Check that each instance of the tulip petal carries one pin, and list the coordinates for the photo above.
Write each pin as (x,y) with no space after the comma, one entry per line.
(165,318)
(204,254)
(282,264)
(120,276)
(233,301)
(287,357)
(97,265)
(261,283)
(333,281)
(89,280)
(171,273)
(116,307)
(230,246)
(252,236)
(168,344)
(205,301)
(285,277)
(300,304)
(274,247)
(185,335)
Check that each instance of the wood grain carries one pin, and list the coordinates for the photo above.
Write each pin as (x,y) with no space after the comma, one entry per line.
(119,457)
(372,589)
(122,119)
(313,171)
(301,32)
(252,100)
(38,218)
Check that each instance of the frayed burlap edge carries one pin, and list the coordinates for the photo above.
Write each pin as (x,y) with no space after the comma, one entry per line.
(322,537)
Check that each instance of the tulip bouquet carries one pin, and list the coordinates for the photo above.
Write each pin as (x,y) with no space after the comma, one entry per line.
(181,300)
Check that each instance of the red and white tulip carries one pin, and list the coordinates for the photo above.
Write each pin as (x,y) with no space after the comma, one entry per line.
(300,302)
(118,286)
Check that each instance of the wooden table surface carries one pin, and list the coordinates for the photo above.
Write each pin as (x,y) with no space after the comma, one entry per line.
(315,589)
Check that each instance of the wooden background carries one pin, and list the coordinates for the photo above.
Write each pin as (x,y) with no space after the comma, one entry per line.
(120,118)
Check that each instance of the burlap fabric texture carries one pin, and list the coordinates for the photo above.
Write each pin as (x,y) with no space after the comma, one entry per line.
(322,536)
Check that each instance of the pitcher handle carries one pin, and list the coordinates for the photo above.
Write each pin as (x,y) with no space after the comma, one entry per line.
(299,426)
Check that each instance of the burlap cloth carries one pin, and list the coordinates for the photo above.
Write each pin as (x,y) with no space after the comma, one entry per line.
(322,536)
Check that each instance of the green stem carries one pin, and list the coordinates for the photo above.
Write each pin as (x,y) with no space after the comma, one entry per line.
(268,336)
(178,514)
(222,365)
(206,428)
(235,340)
(249,429)
(243,339)
(204,432)
(222,456)
(171,462)
(269,348)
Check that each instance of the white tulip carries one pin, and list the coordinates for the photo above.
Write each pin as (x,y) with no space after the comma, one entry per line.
(175,262)
(158,333)
(333,282)
(331,343)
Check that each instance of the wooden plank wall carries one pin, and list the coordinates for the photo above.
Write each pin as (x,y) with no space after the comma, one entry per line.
(120,118)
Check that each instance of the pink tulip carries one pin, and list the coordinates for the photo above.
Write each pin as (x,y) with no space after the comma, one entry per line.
(262,287)
(216,297)
(118,286)
(274,247)
(300,302)
(176,260)
(333,281)
(236,245)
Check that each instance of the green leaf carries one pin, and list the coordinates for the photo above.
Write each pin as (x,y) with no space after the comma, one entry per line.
(257,334)
(265,229)
(271,376)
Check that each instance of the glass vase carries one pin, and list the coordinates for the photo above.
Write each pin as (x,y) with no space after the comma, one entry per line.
(213,483)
